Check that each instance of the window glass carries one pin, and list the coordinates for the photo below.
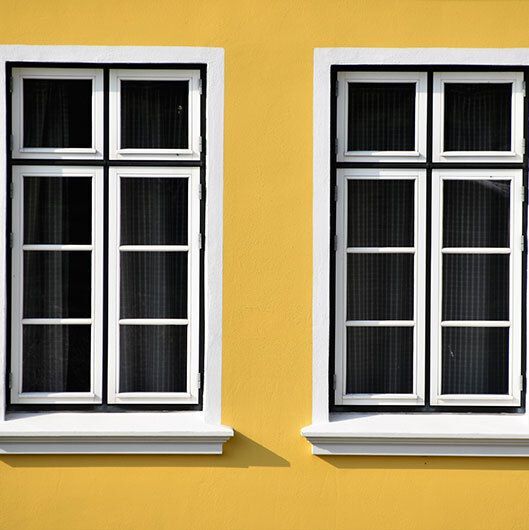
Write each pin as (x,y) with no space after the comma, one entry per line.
(380,286)
(475,287)
(476,213)
(56,358)
(380,213)
(153,285)
(57,113)
(154,211)
(154,114)
(475,361)
(57,210)
(381,117)
(379,360)
(153,359)
(477,116)
(57,284)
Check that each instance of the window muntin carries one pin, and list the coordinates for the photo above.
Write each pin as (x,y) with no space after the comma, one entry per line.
(57,113)
(139,102)
(476,290)
(380,287)
(154,284)
(57,276)
(478,117)
(392,111)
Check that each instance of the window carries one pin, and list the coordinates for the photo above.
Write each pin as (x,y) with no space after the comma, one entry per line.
(57,113)
(380,286)
(114,267)
(382,117)
(420,172)
(478,117)
(155,114)
(70,330)
(381,235)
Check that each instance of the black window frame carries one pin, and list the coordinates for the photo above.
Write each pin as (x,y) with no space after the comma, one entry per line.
(428,165)
(106,163)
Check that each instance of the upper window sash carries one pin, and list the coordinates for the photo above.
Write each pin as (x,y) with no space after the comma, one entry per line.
(409,120)
(417,250)
(123,85)
(50,294)
(512,323)
(466,95)
(35,90)
(188,321)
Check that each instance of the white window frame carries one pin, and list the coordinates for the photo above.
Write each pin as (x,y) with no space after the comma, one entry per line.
(18,149)
(419,153)
(513,397)
(195,90)
(419,251)
(17,282)
(193,284)
(366,433)
(176,432)
(517,140)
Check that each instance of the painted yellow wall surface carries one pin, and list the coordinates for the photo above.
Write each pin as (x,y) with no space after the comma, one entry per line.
(267,478)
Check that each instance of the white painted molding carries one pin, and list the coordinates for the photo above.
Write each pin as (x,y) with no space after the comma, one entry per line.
(213,58)
(130,433)
(331,434)
(426,445)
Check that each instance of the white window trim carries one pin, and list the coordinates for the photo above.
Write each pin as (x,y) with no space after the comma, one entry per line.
(94,152)
(192,249)
(514,176)
(517,140)
(419,250)
(419,154)
(143,432)
(395,434)
(17,280)
(118,75)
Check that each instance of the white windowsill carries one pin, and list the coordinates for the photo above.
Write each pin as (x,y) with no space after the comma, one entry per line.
(106,433)
(421,434)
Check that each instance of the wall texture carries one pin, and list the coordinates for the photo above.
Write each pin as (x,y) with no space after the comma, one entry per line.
(267,479)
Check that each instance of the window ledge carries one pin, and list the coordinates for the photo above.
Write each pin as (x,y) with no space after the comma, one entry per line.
(421,435)
(117,433)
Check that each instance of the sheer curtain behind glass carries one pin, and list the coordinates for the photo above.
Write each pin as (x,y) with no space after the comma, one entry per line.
(57,113)
(154,284)
(381,117)
(380,285)
(154,114)
(476,215)
(57,284)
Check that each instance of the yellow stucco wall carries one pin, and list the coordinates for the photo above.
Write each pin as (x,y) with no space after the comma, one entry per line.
(267,478)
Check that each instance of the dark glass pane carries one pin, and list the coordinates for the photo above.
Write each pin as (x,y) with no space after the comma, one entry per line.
(56,358)
(380,213)
(153,359)
(477,116)
(475,287)
(58,210)
(154,114)
(57,113)
(380,286)
(154,285)
(475,361)
(379,360)
(57,284)
(381,117)
(476,213)
(154,211)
